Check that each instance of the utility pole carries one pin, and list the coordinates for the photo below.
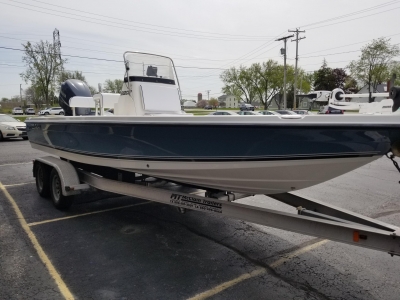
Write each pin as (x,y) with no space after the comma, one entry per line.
(297,31)
(20,93)
(283,51)
(208,94)
(99,87)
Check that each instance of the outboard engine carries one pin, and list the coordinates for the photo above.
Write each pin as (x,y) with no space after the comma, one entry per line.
(69,89)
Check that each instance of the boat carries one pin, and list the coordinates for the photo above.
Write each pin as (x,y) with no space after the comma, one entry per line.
(149,134)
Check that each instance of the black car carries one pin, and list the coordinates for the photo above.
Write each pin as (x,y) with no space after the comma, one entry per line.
(208,107)
(327,110)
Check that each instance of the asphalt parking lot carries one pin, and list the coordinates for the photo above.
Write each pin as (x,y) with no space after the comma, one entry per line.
(115,247)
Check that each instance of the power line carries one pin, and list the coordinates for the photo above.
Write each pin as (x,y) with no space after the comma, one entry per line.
(352,13)
(107,23)
(345,21)
(162,26)
(112,60)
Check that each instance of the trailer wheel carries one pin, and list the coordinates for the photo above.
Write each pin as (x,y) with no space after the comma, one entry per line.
(42,180)
(59,200)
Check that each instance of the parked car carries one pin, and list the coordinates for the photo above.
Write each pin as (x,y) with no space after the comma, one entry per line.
(246,106)
(302,112)
(247,113)
(41,111)
(11,128)
(222,113)
(52,111)
(208,107)
(285,112)
(29,111)
(267,113)
(327,110)
(17,111)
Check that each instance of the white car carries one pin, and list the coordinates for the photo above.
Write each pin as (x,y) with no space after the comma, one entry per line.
(17,111)
(11,128)
(52,111)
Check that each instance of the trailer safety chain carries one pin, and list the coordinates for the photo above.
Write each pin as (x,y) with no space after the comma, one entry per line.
(391,157)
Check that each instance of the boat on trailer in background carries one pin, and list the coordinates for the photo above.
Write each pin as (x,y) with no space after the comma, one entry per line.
(149,142)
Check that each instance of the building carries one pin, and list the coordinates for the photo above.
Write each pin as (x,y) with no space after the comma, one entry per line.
(381,88)
(229,100)
(189,104)
(199,97)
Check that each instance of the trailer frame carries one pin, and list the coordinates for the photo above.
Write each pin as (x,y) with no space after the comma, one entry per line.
(314,218)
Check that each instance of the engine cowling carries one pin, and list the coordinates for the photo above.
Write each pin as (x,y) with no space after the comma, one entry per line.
(71,88)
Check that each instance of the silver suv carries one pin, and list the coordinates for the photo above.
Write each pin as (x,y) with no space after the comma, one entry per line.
(17,111)
(52,111)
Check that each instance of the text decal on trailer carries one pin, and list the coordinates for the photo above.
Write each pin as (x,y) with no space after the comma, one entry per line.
(196,203)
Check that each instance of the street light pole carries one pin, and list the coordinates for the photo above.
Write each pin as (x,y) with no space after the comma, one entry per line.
(283,51)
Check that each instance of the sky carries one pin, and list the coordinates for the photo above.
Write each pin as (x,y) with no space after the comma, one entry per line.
(202,37)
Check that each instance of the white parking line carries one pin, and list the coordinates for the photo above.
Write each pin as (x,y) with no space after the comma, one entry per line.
(17,184)
(221,287)
(41,253)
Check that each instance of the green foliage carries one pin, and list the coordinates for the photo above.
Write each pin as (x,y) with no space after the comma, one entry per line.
(262,82)
(213,102)
(374,65)
(33,94)
(92,90)
(43,64)
(113,86)
(238,82)
(324,79)
(64,75)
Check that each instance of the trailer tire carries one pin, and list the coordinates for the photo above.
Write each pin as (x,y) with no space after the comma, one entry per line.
(60,201)
(42,178)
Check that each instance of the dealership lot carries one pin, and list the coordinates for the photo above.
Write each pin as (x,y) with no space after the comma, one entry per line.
(115,247)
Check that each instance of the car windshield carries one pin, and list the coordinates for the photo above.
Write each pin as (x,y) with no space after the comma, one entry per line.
(6,118)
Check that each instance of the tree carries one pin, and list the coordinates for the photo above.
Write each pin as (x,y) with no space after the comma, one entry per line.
(213,102)
(234,91)
(373,66)
(4,99)
(92,90)
(268,80)
(324,78)
(43,64)
(350,86)
(113,86)
(32,94)
(289,85)
(201,103)
(238,81)
(64,75)
(222,104)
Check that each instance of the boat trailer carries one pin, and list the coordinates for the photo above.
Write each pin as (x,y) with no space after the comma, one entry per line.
(61,179)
